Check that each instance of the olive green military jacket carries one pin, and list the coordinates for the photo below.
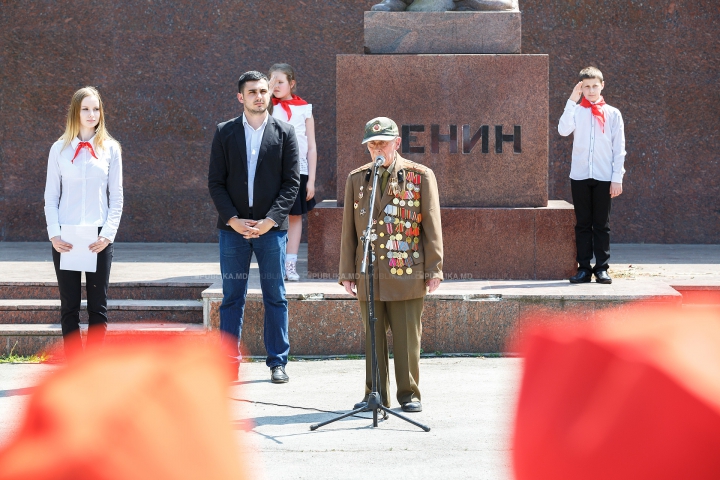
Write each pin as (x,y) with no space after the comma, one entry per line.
(407,245)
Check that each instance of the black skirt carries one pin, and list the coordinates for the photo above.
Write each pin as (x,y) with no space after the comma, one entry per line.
(302,206)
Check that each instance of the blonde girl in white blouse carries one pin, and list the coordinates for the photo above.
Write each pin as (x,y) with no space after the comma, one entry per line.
(84,187)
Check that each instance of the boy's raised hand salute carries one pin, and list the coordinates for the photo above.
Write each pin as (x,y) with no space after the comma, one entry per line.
(576,93)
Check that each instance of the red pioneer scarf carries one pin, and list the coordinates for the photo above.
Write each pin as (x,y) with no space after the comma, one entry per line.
(80,146)
(597,110)
(285,104)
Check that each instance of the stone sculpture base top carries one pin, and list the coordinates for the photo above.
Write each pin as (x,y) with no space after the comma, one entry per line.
(442,32)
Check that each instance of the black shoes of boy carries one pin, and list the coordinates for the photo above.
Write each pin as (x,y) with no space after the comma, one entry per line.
(603,277)
(582,276)
(278,375)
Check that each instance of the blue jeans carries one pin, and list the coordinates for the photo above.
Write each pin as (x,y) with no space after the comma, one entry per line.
(235,255)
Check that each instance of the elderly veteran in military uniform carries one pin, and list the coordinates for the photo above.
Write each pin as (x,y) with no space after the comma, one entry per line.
(407,256)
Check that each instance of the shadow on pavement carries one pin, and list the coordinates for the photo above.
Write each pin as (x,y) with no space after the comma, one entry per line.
(17,391)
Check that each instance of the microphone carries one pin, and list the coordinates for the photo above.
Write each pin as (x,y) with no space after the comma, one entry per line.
(379,161)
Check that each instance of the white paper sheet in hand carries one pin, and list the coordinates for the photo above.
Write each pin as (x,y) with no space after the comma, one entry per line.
(80,258)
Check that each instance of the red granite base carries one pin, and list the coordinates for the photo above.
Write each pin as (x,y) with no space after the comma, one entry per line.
(466,117)
(480,243)
(449,324)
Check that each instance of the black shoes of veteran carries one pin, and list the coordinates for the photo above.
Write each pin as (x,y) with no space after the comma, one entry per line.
(412,407)
(278,375)
(583,276)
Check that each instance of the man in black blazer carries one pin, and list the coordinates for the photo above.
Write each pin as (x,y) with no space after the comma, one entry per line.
(254,178)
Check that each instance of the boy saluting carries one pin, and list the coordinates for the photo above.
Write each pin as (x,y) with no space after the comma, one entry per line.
(596,173)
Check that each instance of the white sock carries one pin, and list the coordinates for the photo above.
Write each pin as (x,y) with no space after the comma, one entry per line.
(291,258)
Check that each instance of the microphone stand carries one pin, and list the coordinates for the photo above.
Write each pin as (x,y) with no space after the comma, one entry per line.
(374,402)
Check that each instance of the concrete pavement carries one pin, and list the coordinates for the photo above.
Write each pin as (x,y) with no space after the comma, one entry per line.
(467,402)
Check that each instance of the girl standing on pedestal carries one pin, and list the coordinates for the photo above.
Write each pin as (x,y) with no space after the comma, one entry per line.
(290,108)
(84,187)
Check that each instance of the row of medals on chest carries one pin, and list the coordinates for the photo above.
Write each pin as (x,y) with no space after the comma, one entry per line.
(399,220)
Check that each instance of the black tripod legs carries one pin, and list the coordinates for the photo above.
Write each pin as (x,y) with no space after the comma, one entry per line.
(376,407)
(375,411)
(373,404)
(417,424)
(345,415)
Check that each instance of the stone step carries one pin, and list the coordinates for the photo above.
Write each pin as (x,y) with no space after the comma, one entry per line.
(479,243)
(699,295)
(29,339)
(460,317)
(116,291)
(48,311)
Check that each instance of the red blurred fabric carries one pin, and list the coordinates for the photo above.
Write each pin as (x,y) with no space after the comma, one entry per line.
(151,410)
(636,398)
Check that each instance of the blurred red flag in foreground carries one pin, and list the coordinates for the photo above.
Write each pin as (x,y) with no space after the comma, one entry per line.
(632,399)
(152,410)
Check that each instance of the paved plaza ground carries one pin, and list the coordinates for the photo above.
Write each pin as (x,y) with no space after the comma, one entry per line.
(467,402)
(193,262)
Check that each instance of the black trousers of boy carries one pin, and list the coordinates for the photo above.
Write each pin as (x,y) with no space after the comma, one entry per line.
(96,286)
(591,199)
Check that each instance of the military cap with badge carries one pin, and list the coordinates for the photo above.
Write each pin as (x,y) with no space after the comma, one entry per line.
(380,128)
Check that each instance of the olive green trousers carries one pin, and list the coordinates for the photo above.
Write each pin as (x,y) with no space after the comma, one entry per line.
(403,320)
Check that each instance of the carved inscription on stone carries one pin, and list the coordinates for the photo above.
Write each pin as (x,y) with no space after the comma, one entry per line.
(469,139)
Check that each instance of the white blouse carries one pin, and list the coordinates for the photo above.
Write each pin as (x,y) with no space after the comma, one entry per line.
(300,113)
(86,191)
(596,153)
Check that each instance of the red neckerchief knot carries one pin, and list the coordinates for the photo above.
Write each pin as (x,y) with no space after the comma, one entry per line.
(80,146)
(597,110)
(285,104)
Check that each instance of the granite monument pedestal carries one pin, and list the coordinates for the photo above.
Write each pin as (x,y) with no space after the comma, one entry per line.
(478,119)
(480,243)
(480,122)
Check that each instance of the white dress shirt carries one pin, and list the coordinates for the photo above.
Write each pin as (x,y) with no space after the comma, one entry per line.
(596,154)
(300,113)
(86,191)
(253,139)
